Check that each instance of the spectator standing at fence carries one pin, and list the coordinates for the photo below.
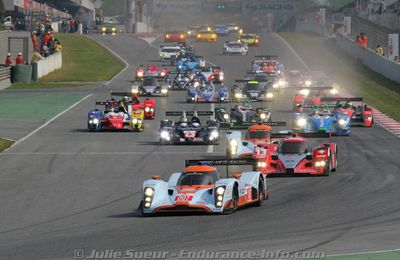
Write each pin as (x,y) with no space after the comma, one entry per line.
(47,38)
(41,29)
(19,59)
(379,50)
(72,26)
(76,25)
(36,57)
(364,40)
(8,61)
(57,46)
(35,42)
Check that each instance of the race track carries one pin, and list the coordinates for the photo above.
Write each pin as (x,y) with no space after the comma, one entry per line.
(65,188)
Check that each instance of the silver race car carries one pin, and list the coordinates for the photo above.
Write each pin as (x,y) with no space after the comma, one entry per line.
(235,47)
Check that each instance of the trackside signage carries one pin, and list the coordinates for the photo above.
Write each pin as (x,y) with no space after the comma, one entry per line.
(259,6)
(176,6)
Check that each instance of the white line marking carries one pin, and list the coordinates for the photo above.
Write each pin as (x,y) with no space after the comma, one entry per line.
(48,122)
(291,48)
(364,253)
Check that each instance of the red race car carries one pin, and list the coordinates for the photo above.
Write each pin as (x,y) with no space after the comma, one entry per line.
(359,113)
(294,156)
(148,105)
(175,36)
(151,70)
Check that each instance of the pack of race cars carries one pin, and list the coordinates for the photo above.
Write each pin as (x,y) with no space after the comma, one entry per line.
(240,121)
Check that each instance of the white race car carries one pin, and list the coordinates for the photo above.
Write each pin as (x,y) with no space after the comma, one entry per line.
(169,50)
(201,188)
(235,47)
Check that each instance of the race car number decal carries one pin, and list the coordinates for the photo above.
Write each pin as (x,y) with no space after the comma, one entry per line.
(190,134)
(184,197)
(260,153)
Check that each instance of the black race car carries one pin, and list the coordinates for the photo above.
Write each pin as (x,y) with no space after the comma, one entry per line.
(241,116)
(189,130)
(151,86)
(252,90)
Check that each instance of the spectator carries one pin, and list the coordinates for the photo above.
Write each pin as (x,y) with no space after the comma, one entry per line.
(8,61)
(36,57)
(379,50)
(359,41)
(47,38)
(72,26)
(45,51)
(57,46)
(35,41)
(364,40)
(76,25)
(19,59)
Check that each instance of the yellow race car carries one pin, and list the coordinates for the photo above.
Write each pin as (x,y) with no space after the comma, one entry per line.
(250,39)
(206,36)
(137,123)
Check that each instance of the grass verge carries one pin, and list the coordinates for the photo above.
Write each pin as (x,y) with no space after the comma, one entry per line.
(84,60)
(35,106)
(4,144)
(43,85)
(371,256)
(322,54)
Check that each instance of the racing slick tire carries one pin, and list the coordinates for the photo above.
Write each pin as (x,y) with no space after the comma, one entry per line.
(260,194)
(140,210)
(328,168)
(336,164)
(234,202)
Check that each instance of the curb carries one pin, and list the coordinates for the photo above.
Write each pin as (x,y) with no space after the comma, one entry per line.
(387,122)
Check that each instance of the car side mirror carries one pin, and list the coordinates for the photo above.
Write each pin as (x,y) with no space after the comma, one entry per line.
(155,177)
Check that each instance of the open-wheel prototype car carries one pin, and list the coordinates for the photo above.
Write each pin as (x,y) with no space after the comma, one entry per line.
(200,188)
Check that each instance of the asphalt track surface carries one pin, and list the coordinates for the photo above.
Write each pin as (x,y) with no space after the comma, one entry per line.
(64,188)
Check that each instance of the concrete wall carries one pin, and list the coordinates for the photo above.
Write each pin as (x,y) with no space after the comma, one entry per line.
(311,28)
(377,63)
(49,64)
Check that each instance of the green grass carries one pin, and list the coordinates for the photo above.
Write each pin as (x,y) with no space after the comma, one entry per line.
(35,106)
(322,54)
(2,28)
(4,144)
(84,60)
(395,255)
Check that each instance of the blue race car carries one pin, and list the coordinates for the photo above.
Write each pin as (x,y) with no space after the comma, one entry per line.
(206,92)
(221,29)
(321,120)
(187,63)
